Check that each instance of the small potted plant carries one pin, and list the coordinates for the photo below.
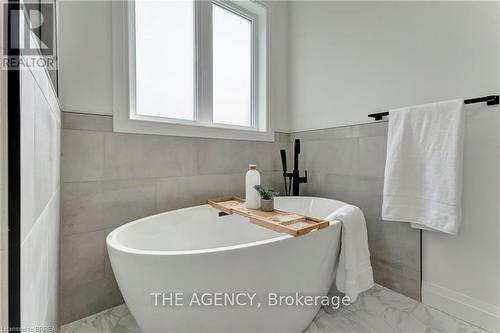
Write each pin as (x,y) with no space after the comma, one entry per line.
(266,198)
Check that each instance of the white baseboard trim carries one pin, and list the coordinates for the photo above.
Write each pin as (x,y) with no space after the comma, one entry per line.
(474,311)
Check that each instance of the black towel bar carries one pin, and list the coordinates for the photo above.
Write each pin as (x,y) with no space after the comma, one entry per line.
(490,100)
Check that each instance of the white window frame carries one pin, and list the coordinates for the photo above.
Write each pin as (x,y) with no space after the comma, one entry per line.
(125,118)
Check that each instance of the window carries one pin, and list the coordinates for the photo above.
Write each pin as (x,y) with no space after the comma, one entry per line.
(232,67)
(194,68)
(164,59)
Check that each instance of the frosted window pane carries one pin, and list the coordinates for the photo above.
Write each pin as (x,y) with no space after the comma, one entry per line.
(164,58)
(232,50)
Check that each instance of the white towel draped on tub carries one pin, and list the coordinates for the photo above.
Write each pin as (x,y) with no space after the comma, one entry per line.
(354,273)
(423,171)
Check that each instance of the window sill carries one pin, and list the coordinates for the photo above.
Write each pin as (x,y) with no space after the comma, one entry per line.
(123,124)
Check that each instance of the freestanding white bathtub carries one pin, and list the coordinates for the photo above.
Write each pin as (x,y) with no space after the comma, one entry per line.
(194,251)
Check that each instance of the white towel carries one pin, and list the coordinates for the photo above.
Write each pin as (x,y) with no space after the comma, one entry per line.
(423,171)
(354,274)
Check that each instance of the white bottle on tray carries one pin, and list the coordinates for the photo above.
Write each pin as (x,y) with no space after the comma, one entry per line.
(252,178)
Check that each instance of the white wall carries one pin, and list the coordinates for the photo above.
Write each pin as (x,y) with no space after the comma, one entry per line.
(85,75)
(40,197)
(462,273)
(349,59)
(278,12)
(85,68)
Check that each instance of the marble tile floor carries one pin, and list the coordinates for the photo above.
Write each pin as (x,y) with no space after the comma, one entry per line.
(378,310)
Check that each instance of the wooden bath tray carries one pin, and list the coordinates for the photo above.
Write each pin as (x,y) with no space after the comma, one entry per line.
(293,224)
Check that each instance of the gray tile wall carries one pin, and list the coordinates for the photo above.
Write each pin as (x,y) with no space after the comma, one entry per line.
(347,164)
(109,179)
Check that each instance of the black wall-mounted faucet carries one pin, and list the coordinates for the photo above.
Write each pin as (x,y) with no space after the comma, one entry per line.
(296,174)
(294,178)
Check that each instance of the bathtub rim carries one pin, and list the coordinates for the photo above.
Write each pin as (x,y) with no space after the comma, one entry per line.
(112,241)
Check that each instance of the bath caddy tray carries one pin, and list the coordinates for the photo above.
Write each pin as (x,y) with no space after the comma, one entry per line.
(277,220)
